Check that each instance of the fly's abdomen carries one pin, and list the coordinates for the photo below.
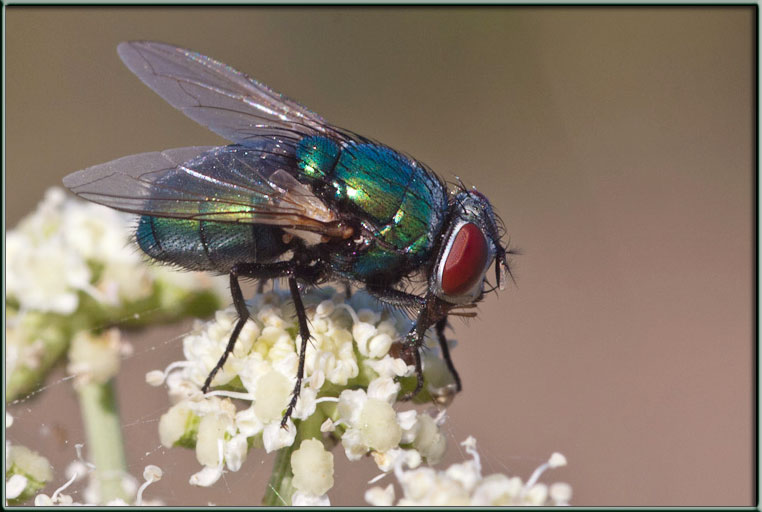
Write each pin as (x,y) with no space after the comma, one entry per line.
(207,245)
(403,205)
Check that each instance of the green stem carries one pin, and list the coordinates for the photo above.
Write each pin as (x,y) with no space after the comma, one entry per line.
(279,488)
(104,439)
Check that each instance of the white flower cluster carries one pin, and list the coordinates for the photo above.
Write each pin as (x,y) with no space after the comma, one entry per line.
(463,484)
(68,246)
(348,391)
(70,266)
(48,256)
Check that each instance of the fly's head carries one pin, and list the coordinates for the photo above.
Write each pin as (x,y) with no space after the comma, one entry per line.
(471,244)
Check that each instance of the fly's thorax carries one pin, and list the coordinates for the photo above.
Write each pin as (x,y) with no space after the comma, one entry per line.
(396,205)
(469,247)
(316,156)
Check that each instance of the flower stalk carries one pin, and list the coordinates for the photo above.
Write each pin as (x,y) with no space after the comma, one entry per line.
(280,488)
(104,438)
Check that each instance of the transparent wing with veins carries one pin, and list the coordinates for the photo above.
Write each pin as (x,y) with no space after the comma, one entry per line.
(215,95)
(238,184)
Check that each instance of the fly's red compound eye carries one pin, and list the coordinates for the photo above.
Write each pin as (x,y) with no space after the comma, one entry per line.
(465,261)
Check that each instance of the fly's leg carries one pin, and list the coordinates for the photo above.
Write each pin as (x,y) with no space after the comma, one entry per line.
(243,315)
(252,270)
(397,297)
(431,310)
(440,327)
(291,269)
(414,339)
(413,343)
(304,332)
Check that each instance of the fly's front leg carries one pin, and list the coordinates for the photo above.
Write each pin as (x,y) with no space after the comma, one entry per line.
(433,311)
(304,332)
(429,310)
(440,327)
(412,344)
(397,297)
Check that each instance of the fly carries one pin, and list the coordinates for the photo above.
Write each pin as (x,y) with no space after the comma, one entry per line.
(296,197)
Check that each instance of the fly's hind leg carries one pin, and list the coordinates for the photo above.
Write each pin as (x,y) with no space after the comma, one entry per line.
(252,270)
(304,333)
(243,315)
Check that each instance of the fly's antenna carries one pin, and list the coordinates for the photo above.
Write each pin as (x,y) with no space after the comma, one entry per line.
(502,268)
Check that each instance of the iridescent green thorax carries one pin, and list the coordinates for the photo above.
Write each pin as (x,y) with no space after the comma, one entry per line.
(316,156)
(401,204)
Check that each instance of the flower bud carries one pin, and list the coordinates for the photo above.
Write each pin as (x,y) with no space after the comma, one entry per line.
(313,468)
(211,428)
(429,441)
(378,425)
(177,425)
(271,396)
(94,358)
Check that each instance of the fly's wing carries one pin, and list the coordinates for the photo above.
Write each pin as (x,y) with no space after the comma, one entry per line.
(226,184)
(215,95)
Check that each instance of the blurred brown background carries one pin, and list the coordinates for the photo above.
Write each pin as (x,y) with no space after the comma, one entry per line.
(615,142)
